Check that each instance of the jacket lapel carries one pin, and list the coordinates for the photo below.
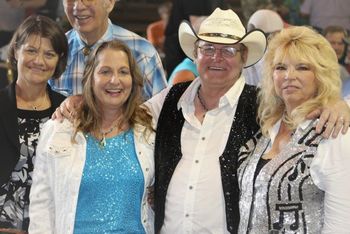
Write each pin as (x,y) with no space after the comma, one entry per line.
(9,114)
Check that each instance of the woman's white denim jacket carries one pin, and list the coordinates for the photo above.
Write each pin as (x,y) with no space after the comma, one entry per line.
(57,174)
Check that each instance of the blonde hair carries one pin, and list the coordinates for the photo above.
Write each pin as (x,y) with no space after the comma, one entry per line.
(306,45)
(89,117)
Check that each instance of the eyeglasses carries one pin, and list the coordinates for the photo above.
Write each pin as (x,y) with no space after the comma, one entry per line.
(226,51)
(85,2)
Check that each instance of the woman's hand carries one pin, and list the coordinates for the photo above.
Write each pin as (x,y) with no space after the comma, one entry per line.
(335,116)
(68,108)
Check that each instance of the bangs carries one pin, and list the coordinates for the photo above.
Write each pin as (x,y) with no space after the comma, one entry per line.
(297,52)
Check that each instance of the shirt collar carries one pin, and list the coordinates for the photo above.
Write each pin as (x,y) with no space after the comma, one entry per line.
(106,37)
(231,96)
(275,128)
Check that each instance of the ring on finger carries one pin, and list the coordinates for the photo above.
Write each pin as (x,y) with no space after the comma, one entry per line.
(341,119)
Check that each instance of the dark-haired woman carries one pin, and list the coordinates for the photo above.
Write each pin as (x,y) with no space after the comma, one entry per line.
(38,52)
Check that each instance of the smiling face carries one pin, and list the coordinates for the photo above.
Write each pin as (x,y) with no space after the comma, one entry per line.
(219,71)
(112,81)
(89,17)
(294,82)
(36,60)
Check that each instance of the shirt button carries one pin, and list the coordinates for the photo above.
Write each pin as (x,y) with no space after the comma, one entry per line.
(191,187)
(203,138)
(196,161)
(147,169)
(187,215)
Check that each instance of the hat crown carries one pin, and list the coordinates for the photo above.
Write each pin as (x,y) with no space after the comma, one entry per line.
(222,22)
(267,20)
(223,27)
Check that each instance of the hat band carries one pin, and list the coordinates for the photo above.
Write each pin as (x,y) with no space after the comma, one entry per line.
(220,35)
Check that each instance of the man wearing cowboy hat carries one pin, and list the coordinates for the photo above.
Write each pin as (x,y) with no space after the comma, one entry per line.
(202,125)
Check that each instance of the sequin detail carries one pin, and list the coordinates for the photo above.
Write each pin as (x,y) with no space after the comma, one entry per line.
(111,190)
(284,198)
(168,150)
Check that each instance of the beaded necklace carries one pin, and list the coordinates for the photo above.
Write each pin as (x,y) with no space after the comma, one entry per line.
(201,101)
(102,142)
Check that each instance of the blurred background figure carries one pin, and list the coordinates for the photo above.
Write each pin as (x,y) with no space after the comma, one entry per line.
(187,69)
(91,27)
(292,16)
(250,6)
(347,57)
(155,31)
(10,19)
(269,22)
(336,37)
(181,10)
(322,13)
(38,52)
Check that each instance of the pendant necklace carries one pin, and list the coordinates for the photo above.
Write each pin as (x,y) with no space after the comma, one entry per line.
(102,142)
(32,105)
(201,101)
(36,107)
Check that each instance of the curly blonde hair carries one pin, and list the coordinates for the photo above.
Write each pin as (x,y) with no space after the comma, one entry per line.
(306,45)
(89,117)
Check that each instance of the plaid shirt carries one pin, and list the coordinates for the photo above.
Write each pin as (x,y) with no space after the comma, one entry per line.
(70,83)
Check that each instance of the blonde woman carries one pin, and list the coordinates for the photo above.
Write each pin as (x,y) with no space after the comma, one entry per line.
(291,179)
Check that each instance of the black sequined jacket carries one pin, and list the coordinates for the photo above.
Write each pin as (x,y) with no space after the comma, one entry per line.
(168,150)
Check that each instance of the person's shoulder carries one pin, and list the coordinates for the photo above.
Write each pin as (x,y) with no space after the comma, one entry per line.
(71,33)
(133,40)
(57,128)
(72,37)
(121,32)
(156,24)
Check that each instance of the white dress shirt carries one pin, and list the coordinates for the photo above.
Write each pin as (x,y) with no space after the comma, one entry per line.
(195,201)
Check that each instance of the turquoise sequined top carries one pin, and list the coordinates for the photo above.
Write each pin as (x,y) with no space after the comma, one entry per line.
(111,188)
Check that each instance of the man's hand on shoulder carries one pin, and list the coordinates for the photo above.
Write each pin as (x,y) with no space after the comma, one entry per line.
(335,117)
(68,108)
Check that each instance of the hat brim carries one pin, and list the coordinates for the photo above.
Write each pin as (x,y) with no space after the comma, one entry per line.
(255,41)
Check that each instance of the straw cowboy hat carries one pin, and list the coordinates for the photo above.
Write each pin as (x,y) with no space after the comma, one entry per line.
(223,27)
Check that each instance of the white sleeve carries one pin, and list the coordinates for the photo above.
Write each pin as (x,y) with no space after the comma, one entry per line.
(41,207)
(155,103)
(330,171)
(305,7)
(347,100)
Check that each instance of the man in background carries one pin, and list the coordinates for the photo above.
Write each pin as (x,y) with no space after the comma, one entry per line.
(91,26)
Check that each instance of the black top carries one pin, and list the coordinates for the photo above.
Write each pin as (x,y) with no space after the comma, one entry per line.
(19,132)
(9,131)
